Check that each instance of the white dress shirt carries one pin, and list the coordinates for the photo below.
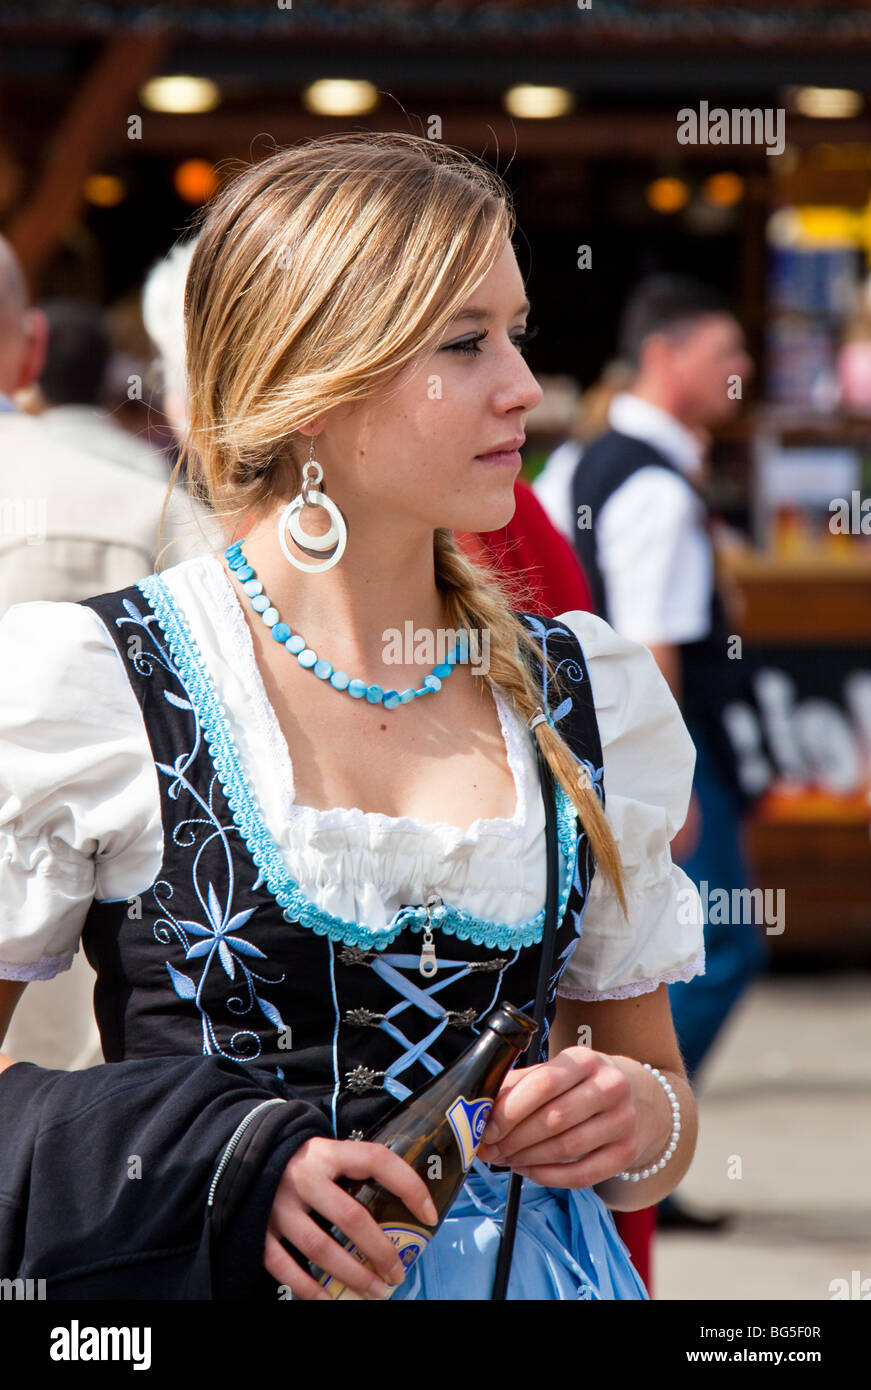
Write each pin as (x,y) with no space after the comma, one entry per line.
(95,433)
(553,487)
(651,543)
(73,524)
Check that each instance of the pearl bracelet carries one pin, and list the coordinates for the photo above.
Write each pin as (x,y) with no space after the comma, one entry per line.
(675,1131)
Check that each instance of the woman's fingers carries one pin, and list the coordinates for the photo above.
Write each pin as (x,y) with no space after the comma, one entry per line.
(594,1168)
(322,1250)
(285,1270)
(355,1222)
(607,1093)
(364,1160)
(309,1185)
(572,1142)
(536,1088)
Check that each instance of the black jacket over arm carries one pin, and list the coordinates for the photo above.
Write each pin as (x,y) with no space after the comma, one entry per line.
(73,1212)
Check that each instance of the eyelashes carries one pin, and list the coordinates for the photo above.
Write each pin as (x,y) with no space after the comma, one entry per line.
(469,347)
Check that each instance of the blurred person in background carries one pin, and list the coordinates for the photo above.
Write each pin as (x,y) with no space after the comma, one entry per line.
(646,550)
(163,316)
(553,485)
(71,384)
(72,524)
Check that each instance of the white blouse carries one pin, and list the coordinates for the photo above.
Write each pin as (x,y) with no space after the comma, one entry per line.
(80,806)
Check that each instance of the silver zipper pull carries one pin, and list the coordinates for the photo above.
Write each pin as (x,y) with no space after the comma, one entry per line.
(428,965)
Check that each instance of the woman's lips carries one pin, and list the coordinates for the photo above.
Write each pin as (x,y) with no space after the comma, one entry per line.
(507,456)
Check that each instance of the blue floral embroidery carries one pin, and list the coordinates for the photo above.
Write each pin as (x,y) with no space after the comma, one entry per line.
(216,939)
(199,687)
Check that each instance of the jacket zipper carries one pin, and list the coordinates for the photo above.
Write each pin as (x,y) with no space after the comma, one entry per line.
(233,1143)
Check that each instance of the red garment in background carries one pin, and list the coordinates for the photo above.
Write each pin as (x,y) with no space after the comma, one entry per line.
(531,549)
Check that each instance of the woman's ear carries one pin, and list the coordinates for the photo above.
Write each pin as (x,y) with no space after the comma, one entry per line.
(32,359)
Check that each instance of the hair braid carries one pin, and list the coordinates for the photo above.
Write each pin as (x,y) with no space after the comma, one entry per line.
(480,599)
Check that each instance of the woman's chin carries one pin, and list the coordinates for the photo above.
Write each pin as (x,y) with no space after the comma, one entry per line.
(486,518)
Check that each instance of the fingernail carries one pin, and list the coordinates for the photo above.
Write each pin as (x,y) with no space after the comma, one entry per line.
(495,1155)
(492,1134)
(429,1210)
(380,1289)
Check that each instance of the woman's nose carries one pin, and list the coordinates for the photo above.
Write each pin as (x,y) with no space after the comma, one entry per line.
(519,387)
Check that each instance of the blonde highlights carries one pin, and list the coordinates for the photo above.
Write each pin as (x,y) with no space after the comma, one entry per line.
(319,274)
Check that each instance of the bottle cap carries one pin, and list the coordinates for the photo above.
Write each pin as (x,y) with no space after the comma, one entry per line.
(511,1023)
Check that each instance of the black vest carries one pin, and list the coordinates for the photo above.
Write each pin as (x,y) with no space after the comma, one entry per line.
(710,678)
(223,955)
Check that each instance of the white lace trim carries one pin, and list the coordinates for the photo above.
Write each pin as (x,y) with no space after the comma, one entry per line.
(631,991)
(44,969)
(513,730)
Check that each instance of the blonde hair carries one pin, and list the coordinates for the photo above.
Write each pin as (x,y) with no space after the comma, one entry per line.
(318,274)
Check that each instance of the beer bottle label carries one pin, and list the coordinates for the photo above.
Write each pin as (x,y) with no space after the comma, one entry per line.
(410,1242)
(468,1119)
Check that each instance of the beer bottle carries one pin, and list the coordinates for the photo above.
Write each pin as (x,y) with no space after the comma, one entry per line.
(437,1130)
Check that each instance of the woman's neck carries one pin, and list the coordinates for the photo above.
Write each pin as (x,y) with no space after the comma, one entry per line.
(381,582)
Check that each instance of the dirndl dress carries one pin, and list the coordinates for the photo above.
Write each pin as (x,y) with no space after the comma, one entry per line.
(250,936)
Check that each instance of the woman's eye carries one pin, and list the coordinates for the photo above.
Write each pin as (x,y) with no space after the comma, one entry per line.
(522,340)
(469,346)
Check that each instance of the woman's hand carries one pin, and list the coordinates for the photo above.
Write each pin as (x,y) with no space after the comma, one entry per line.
(308,1184)
(577,1120)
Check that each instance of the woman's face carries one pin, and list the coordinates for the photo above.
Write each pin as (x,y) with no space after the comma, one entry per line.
(413,451)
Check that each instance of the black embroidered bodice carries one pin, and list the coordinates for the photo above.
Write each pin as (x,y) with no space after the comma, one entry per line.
(223,954)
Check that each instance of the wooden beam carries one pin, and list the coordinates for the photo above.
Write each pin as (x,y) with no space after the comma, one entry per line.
(95,122)
(649,134)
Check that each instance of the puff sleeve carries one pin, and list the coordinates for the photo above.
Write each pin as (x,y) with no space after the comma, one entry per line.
(79,804)
(648,759)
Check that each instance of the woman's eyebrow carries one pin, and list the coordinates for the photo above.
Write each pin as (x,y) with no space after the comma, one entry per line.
(474,313)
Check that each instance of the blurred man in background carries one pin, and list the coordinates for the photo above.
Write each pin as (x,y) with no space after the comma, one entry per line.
(71,386)
(641,533)
(72,525)
(554,485)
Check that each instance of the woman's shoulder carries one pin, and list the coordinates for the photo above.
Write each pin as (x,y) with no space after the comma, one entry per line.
(647,746)
(41,637)
(59,663)
(624,667)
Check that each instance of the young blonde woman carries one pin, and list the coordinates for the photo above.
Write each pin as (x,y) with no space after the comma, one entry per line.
(246,791)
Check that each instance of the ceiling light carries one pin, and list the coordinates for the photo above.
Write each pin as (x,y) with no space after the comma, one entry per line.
(180,94)
(723,190)
(340,96)
(104,190)
(667,195)
(537,103)
(827,101)
(195,180)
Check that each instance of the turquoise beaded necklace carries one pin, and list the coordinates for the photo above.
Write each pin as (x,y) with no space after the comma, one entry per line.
(309,659)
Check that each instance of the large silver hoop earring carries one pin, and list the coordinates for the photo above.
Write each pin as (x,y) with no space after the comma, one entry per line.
(312,475)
